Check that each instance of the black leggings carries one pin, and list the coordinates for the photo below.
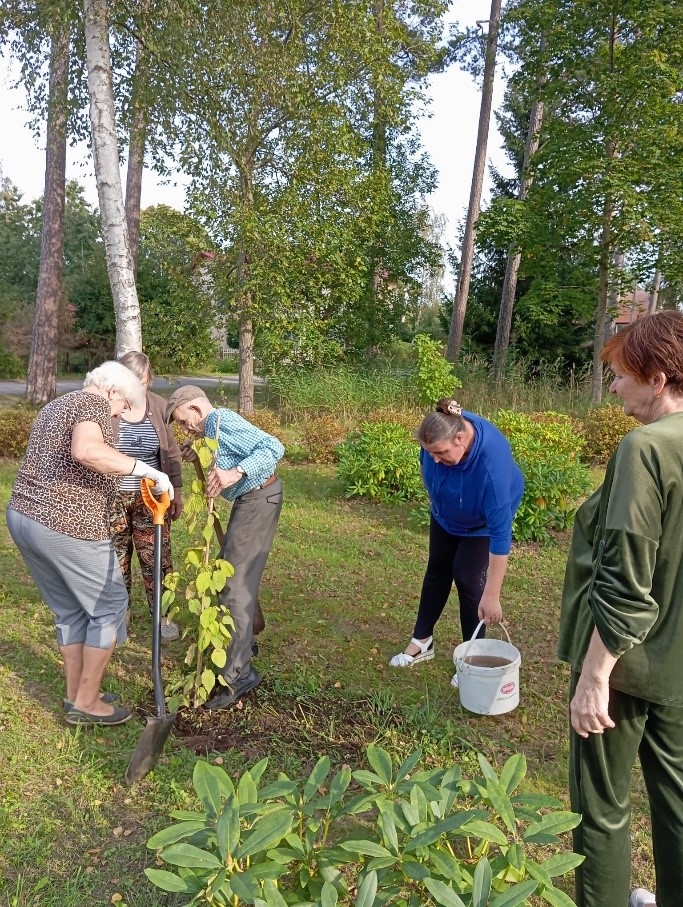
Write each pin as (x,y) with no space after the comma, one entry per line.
(462,560)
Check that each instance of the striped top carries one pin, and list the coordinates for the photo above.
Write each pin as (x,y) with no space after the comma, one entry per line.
(139,440)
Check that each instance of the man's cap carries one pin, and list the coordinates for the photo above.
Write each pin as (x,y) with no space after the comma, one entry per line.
(184,394)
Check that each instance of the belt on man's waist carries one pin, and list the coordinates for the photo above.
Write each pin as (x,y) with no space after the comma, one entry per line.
(269,481)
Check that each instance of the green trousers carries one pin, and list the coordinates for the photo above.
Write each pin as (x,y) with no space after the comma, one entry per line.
(600,770)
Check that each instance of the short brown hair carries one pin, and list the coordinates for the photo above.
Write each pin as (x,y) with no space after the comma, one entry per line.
(651,344)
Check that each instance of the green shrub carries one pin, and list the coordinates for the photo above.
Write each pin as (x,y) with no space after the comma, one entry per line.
(548,453)
(411,837)
(435,377)
(15,428)
(321,438)
(11,365)
(380,462)
(228,365)
(603,429)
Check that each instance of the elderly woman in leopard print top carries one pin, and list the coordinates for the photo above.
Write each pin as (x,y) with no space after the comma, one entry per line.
(58,516)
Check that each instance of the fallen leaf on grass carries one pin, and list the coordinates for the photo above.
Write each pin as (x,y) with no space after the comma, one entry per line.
(218,760)
(118,831)
(116,897)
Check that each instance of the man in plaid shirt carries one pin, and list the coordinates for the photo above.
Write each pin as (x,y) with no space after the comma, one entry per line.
(244,473)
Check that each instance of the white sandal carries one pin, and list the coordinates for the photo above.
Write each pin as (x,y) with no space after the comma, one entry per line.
(426,653)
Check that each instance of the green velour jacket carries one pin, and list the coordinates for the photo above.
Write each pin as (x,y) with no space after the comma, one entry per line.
(625,569)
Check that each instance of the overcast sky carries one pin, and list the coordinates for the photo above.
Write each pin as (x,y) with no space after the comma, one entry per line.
(449,136)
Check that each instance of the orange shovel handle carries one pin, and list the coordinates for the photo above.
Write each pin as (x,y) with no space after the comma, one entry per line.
(158,506)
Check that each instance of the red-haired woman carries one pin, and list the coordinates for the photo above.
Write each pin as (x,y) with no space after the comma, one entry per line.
(621,627)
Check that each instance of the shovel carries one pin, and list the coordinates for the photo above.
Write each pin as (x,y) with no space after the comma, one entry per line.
(151,743)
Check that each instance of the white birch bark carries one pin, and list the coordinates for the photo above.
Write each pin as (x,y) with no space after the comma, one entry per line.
(108,177)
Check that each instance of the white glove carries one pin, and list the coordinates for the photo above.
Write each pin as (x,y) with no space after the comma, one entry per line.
(162,481)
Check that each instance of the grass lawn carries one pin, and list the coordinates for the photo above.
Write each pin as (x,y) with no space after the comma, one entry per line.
(339,596)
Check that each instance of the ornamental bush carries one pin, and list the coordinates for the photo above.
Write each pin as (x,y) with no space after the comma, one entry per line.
(548,451)
(379,461)
(15,430)
(603,429)
(390,834)
(321,437)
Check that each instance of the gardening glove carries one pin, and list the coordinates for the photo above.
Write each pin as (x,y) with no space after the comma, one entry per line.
(161,480)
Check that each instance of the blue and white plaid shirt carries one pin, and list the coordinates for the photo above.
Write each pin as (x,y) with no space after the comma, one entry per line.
(242,444)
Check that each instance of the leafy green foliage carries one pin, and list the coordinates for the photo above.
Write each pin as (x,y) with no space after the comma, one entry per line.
(11,365)
(379,461)
(15,428)
(604,427)
(435,377)
(428,837)
(547,449)
(198,583)
(176,289)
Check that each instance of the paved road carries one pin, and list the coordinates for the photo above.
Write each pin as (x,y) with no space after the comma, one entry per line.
(160,385)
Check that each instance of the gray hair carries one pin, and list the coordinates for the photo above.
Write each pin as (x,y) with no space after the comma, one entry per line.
(138,363)
(112,376)
(443,424)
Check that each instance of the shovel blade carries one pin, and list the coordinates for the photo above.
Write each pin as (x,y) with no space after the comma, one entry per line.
(149,748)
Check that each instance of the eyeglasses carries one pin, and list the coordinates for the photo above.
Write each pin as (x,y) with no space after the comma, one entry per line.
(126,405)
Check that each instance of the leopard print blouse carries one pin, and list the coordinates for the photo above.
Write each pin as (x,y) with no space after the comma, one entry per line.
(54,489)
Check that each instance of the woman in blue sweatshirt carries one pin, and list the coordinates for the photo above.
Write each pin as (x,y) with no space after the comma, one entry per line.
(474,488)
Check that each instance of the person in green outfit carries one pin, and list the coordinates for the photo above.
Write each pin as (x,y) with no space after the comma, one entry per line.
(621,628)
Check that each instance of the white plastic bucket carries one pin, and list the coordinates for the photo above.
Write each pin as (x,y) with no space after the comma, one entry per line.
(488,690)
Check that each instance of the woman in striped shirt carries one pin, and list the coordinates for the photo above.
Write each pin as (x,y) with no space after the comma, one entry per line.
(142,433)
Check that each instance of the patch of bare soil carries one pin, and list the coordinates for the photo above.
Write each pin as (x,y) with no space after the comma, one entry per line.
(262,723)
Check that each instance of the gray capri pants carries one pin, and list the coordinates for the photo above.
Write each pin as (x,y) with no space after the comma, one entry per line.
(80,581)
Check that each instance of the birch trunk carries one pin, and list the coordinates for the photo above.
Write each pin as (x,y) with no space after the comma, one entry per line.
(108,178)
(467,254)
(41,382)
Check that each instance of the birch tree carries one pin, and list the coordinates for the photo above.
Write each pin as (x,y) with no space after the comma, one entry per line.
(108,177)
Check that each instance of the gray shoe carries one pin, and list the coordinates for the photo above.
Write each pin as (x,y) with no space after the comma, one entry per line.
(231,696)
(118,716)
(170,631)
(641,898)
(109,698)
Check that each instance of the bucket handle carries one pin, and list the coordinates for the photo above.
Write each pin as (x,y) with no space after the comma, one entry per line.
(474,638)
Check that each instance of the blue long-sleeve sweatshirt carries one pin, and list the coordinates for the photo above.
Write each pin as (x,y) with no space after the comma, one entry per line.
(479,495)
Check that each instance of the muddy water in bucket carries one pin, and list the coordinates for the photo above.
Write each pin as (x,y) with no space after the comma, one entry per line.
(486,661)
(488,674)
